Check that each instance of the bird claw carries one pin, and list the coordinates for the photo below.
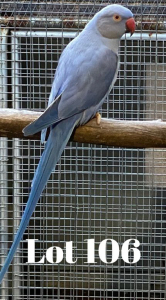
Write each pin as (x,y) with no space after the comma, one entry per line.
(98,118)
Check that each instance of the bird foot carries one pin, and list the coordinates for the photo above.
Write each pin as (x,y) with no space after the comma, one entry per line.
(98,118)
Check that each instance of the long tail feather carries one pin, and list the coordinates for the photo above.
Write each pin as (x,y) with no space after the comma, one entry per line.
(55,145)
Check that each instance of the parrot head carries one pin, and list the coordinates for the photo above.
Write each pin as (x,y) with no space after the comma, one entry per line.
(115,20)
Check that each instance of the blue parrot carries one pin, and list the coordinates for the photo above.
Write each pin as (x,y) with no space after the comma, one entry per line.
(86,72)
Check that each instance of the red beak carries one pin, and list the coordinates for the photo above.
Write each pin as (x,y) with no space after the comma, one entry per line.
(130,26)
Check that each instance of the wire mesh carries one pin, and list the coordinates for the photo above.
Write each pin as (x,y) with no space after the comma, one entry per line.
(96,192)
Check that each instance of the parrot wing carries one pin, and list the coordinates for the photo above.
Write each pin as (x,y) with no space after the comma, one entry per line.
(83,89)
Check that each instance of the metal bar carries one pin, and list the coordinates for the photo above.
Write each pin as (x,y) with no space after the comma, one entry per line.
(71,34)
(16,167)
(3,163)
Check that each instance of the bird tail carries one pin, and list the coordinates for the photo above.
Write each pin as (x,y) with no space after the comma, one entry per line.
(58,138)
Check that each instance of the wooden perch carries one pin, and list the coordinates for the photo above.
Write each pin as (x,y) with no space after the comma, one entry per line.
(131,134)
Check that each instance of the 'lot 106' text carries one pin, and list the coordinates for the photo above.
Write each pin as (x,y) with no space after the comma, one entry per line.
(129,252)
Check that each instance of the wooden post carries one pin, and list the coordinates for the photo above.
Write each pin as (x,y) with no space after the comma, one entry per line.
(135,134)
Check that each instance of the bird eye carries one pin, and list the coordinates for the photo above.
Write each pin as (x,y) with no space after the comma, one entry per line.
(117,18)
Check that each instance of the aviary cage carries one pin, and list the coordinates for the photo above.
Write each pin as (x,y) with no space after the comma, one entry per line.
(96,192)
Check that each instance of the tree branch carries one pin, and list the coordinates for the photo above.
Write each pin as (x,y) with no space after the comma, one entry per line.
(133,134)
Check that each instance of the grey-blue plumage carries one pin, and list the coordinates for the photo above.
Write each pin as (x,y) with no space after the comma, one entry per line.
(84,83)
(86,72)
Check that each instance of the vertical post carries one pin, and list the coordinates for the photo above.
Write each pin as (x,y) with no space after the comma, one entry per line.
(155,159)
(3,163)
(16,165)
